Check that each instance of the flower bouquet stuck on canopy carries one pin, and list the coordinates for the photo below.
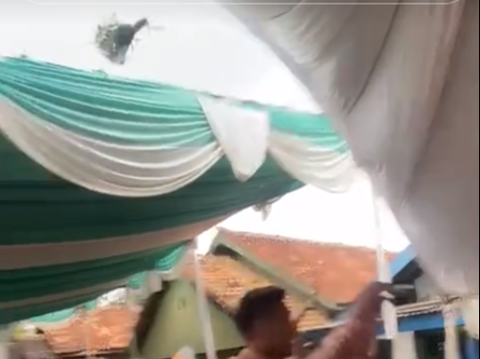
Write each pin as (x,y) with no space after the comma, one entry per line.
(114,38)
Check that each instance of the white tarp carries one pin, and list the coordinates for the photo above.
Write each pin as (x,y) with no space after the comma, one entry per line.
(401,83)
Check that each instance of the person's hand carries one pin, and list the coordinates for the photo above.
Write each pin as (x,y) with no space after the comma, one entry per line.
(297,348)
(369,301)
(296,316)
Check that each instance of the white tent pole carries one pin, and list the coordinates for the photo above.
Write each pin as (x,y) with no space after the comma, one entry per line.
(389,314)
(203,310)
(451,335)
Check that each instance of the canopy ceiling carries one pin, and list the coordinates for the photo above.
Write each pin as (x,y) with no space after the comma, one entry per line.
(102,177)
(407,103)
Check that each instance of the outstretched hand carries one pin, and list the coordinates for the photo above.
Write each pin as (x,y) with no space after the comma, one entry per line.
(355,339)
(369,301)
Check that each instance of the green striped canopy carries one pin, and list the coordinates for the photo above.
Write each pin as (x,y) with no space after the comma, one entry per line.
(61,244)
(136,281)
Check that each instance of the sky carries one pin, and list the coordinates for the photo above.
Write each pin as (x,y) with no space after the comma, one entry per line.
(206,49)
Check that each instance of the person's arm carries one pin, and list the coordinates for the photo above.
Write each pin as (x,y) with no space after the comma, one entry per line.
(356,337)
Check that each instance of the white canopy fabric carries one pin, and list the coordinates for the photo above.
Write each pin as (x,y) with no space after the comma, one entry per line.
(401,83)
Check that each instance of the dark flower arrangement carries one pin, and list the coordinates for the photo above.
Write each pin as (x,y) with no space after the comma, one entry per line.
(114,38)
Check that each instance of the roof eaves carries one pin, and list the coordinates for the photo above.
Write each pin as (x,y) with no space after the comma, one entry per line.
(276,275)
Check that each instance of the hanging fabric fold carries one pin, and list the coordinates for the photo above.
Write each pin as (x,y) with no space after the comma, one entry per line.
(386,85)
(243,134)
(313,164)
(110,172)
(121,170)
(137,139)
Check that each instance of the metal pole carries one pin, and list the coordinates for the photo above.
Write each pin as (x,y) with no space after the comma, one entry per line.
(203,310)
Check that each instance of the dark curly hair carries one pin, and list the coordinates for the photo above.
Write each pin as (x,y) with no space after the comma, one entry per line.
(257,304)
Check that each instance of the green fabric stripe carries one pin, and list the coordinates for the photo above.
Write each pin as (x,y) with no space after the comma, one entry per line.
(36,282)
(137,281)
(37,207)
(58,316)
(165,263)
(58,211)
(43,281)
(16,314)
(109,109)
(134,112)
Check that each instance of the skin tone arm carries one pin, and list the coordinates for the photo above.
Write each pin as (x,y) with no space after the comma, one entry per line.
(357,337)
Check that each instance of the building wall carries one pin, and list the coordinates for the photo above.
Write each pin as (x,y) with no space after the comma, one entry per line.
(177,325)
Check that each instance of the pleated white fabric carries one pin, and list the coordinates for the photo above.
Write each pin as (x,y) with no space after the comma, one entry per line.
(120,170)
(242,133)
(246,137)
(315,165)
(407,104)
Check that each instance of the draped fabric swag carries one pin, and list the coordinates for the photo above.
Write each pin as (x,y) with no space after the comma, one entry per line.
(101,177)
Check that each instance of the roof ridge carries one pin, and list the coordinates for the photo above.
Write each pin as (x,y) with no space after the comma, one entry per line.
(274,237)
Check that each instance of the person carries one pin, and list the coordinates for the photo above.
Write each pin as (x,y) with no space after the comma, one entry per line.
(264,322)
(270,332)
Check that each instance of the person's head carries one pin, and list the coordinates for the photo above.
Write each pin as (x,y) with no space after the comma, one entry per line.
(264,321)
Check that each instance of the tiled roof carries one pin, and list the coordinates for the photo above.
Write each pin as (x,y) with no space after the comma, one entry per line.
(100,330)
(227,280)
(336,272)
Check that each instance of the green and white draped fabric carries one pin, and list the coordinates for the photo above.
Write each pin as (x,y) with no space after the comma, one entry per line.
(165,264)
(101,177)
(62,315)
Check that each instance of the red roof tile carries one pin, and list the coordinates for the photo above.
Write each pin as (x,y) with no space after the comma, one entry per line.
(101,330)
(227,280)
(336,272)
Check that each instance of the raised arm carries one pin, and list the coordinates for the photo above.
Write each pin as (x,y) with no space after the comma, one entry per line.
(355,339)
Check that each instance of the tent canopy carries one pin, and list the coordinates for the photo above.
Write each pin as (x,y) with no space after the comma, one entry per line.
(406,102)
(102,177)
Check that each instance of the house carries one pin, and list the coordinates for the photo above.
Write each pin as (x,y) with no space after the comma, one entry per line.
(419,313)
(321,278)
(422,314)
(102,332)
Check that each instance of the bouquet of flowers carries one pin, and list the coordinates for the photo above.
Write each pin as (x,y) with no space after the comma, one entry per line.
(114,38)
